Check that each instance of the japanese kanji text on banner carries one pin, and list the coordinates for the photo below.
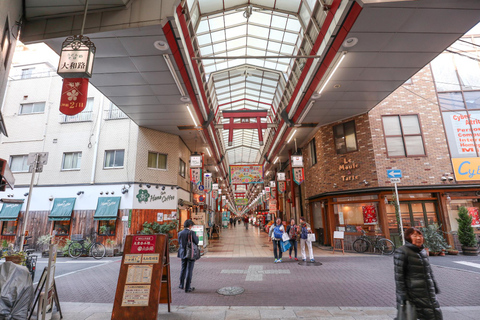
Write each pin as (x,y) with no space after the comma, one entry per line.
(246,174)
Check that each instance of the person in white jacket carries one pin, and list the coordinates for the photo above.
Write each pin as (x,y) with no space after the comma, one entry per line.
(275,234)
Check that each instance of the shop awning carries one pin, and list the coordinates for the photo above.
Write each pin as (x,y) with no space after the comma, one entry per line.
(107,208)
(10,211)
(62,209)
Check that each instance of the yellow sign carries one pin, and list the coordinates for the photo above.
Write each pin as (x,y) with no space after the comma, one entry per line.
(150,258)
(466,169)
(133,258)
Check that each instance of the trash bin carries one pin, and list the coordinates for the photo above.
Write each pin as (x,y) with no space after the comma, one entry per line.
(16,291)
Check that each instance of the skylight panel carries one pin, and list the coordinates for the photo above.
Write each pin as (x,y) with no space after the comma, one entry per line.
(236,62)
(270,65)
(273,47)
(288,5)
(218,36)
(216,23)
(219,47)
(261,18)
(279,22)
(258,31)
(290,38)
(234,18)
(286,50)
(236,53)
(254,86)
(311,4)
(210,6)
(204,39)
(255,52)
(236,32)
(221,83)
(276,35)
(305,15)
(203,26)
(253,92)
(209,69)
(260,44)
(293,25)
(237,43)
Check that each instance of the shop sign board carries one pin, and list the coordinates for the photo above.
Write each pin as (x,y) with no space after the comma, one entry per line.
(196,175)
(281,176)
(155,198)
(298,175)
(241,174)
(215,186)
(282,186)
(199,231)
(297,161)
(73,99)
(143,244)
(207,182)
(466,169)
(196,161)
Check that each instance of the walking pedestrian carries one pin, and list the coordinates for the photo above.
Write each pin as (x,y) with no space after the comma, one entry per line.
(305,229)
(416,288)
(235,221)
(275,235)
(245,220)
(231,222)
(292,231)
(186,273)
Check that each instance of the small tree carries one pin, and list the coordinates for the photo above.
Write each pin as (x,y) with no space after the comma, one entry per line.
(466,236)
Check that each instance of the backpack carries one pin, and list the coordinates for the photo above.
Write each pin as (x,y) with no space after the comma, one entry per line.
(277,233)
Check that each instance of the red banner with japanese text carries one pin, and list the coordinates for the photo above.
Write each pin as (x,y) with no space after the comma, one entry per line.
(74,96)
(369,215)
(473,212)
(282,186)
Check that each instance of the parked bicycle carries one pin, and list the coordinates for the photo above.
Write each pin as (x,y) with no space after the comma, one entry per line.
(30,259)
(80,247)
(173,245)
(385,246)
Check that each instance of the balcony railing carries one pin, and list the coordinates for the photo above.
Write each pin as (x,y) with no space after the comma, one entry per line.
(114,114)
(81,117)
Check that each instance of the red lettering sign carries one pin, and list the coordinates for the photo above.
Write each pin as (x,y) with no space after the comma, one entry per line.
(74,96)
(143,244)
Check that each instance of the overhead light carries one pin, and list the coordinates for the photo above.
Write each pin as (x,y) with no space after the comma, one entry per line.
(310,105)
(275,160)
(291,136)
(216,169)
(209,152)
(174,74)
(160,45)
(332,73)
(191,115)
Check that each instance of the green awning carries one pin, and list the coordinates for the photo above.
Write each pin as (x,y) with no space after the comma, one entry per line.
(107,208)
(10,211)
(62,209)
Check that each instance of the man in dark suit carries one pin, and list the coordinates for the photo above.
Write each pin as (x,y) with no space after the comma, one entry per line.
(187,265)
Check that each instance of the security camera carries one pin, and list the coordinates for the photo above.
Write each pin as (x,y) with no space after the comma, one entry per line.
(450,178)
(124,190)
(50,198)
(148,185)
(443,178)
(79,193)
(25,194)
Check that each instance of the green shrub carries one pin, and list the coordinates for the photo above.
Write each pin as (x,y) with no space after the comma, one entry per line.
(434,239)
(466,236)
(152,228)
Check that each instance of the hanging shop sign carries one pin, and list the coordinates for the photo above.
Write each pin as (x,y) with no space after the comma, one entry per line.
(196,175)
(298,175)
(74,96)
(282,186)
(296,161)
(473,212)
(281,176)
(273,192)
(196,161)
(272,205)
(466,169)
(215,186)
(76,58)
(215,194)
(241,202)
(198,199)
(246,174)
(272,184)
(207,182)
(369,215)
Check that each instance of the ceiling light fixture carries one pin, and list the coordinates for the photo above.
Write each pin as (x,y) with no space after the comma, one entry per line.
(209,152)
(310,105)
(191,115)
(174,74)
(216,169)
(333,72)
(291,136)
(275,160)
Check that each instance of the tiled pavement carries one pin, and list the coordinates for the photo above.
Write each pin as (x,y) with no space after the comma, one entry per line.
(349,286)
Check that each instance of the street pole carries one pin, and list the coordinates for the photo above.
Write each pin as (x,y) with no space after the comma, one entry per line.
(25,218)
(399,214)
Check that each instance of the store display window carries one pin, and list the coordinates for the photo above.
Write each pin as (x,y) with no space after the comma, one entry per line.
(106,227)
(62,227)
(9,228)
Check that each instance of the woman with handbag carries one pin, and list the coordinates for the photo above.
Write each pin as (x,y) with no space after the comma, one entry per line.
(305,229)
(187,243)
(275,235)
(292,231)
(416,288)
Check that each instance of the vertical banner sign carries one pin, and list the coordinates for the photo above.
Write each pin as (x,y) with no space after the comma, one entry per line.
(207,182)
(282,186)
(369,215)
(298,175)
(473,212)
(273,193)
(196,175)
(74,96)
(196,161)
(215,186)
(297,161)
(215,194)
(272,184)
(281,176)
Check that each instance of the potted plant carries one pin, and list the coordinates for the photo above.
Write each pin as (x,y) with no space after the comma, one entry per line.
(452,252)
(104,230)
(434,240)
(43,242)
(16,257)
(466,236)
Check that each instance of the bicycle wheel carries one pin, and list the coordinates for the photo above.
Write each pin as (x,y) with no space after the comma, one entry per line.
(173,245)
(386,246)
(360,245)
(97,250)
(75,250)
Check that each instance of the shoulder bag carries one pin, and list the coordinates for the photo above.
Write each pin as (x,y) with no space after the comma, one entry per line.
(191,251)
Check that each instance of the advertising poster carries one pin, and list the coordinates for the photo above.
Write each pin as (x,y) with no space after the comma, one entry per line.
(473,212)
(246,174)
(199,231)
(369,215)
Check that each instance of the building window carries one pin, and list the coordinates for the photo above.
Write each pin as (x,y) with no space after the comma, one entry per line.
(71,160)
(27,73)
(182,168)
(114,113)
(403,136)
(85,115)
(157,160)
(29,108)
(345,138)
(106,227)
(114,158)
(62,228)
(19,163)
(9,228)
(312,152)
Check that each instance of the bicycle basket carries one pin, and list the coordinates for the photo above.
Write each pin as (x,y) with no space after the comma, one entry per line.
(77,237)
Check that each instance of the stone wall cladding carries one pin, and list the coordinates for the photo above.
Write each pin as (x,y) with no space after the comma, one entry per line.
(326,172)
(416,98)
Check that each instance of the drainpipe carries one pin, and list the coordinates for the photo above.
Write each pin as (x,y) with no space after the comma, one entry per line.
(97,138)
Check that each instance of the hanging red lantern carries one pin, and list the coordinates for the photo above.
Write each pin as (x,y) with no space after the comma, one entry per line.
(74,96)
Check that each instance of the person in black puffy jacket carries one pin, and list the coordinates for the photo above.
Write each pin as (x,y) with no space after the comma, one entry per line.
(414,278)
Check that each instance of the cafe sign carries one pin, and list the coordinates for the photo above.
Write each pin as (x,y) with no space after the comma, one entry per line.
(466,169)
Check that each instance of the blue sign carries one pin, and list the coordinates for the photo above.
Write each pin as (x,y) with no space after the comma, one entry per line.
(394,173)
(201,187)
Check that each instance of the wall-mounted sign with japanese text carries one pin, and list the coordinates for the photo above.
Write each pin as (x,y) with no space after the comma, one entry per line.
(281,176)
(297,161)
(74,96)
(196,161)
(282,186)
(246,174)
(298,175)
(196,175)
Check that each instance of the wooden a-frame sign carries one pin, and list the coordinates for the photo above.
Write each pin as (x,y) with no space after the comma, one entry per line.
(144,278)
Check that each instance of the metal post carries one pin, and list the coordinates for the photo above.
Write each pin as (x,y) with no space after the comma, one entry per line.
(399,214)
(25,218)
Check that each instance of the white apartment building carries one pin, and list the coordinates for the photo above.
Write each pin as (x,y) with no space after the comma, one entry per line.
(95,157)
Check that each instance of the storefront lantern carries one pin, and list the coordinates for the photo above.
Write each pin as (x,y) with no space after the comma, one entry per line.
(76,58)
(74,96)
